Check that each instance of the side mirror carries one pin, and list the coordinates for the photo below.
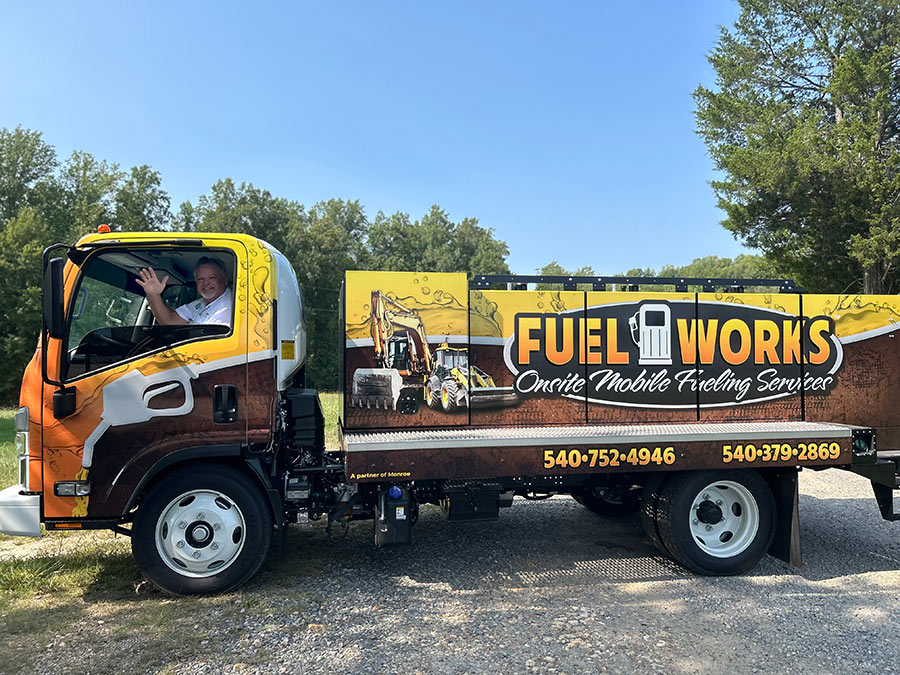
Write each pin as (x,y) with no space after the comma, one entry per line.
(52,298)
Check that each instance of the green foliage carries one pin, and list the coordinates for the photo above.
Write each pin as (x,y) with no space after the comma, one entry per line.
(140,203)
(44,202)
(803,124)
(554,269)
(434,244)
(744,266)
(26,164)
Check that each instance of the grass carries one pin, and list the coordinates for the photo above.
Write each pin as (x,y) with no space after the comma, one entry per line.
(9,470)
(331,406)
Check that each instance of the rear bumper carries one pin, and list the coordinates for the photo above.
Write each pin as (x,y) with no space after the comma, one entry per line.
(20,515)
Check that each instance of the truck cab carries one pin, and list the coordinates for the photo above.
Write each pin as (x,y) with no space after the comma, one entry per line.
(116,408)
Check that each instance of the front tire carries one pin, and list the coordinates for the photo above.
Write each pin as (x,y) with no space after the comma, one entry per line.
(433,393)
(202,530)
(717,523)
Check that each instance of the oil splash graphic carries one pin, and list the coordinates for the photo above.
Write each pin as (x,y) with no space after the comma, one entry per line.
(485,316)
(81,503)
(768,301)
(853,314)
(262,303)
(440,311)
(487,320)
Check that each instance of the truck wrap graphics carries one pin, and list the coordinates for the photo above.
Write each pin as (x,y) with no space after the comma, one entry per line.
(570,357)
(732,354)
(395,323)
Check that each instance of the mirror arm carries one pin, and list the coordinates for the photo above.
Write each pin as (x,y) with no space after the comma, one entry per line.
(45,260)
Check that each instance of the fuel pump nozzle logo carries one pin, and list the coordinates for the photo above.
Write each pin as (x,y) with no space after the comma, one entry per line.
(651,331)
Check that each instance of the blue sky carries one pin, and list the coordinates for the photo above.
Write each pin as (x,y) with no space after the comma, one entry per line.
(567,127)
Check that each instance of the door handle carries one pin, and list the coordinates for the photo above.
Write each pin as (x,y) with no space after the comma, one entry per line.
(225,404)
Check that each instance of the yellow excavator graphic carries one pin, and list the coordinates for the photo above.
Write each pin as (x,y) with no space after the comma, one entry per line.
(453,376)
(407,370)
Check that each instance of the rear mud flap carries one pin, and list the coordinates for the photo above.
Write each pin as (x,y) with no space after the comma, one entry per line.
(786,543)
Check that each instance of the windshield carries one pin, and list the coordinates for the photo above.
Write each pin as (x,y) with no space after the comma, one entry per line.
(453,358)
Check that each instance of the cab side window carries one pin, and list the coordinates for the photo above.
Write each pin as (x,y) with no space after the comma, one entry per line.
(110,319)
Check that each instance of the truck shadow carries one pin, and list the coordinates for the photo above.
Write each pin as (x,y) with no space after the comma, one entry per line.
(557,543)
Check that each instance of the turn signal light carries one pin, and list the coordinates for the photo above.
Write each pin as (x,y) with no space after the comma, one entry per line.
(79,488)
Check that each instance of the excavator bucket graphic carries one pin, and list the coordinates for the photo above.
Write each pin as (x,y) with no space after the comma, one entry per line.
(376,388)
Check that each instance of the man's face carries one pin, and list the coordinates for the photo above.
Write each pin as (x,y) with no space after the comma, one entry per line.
(210,282)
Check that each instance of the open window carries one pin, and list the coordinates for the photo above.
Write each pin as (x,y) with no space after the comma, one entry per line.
(109,316)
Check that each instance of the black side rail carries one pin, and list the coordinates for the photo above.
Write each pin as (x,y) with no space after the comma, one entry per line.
(570,283)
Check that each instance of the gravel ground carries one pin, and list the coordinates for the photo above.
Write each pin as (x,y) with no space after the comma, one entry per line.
(550,587)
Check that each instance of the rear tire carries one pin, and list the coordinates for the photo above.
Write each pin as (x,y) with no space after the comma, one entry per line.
(202,530)
(613,506)
(717,522)
(649,511)
(449,391)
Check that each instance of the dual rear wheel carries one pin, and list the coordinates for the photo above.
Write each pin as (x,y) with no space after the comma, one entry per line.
(716,523)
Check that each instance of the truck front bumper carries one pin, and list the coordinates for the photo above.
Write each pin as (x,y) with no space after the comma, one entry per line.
(20,515)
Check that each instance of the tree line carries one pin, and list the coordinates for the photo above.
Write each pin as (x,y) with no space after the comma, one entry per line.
(46,200)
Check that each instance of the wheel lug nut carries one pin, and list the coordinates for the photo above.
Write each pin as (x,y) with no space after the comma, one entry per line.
(696,522)
(217,527)
(719,502)
(182,524)
(201,516)
(705,495)
(214,546)
(708,528)
(180,544)
(196,554)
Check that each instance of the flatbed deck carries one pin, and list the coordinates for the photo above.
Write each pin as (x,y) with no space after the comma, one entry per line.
(416,439)
(534,451)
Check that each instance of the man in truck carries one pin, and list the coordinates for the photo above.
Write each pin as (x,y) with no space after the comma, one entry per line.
(213,307)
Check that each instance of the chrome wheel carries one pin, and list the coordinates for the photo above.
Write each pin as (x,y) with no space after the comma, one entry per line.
(200,533)
(716,522)
(724,519)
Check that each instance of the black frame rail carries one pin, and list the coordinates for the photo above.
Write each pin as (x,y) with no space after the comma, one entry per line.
(599,283)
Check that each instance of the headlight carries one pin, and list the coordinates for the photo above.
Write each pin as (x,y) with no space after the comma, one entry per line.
(21,419)
(21,426)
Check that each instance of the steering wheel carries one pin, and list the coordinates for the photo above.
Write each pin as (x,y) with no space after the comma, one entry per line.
(140,345)
(114,341)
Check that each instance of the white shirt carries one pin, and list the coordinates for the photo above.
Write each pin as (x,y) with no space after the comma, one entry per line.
(216,312)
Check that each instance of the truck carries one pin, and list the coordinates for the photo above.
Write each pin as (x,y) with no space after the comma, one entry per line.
(693,409)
